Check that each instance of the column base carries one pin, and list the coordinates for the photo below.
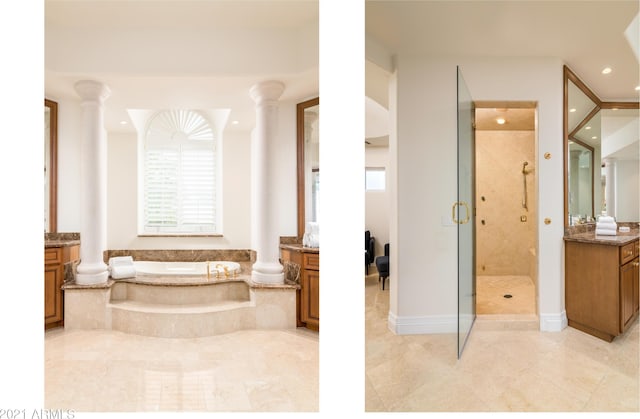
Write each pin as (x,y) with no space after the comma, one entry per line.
(265,278)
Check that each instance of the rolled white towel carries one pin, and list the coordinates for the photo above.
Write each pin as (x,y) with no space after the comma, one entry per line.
(606,226)
(121,260)
(123,271)
(604,232)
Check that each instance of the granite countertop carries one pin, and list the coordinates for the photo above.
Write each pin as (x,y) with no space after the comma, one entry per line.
(61,243)
(300,248)
(620,239)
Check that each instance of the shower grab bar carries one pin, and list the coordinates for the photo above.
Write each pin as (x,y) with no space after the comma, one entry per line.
(524,177)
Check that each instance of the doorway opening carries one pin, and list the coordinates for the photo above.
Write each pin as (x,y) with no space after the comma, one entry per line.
(506,209)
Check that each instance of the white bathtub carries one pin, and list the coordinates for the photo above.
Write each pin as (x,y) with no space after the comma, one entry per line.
(187,268)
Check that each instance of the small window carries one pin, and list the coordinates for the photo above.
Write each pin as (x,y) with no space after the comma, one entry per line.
(374,179)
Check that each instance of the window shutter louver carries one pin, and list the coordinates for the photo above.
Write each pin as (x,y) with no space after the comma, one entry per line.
(180,175)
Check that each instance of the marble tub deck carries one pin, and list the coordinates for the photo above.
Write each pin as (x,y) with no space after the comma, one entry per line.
(180,306)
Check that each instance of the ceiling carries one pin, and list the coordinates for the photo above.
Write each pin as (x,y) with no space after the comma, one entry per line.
(587,35)
(200,54)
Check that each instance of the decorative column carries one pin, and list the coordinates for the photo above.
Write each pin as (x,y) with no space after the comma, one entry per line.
(93,172)
(610,186)
(267,268)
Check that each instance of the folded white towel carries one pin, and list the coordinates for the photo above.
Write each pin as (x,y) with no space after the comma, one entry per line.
(121,260)
(123,271)
(603,232)
(606,226)
(606,219)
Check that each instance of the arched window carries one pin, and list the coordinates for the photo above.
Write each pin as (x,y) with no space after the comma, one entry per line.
(180,174)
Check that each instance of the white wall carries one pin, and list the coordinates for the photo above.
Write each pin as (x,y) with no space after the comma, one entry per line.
(122,185)
(627,187)
(426,257)
(69,117)
(377,203)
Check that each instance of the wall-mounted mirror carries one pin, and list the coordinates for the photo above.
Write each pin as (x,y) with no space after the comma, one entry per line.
(50,166)
(307,119)
(595,132)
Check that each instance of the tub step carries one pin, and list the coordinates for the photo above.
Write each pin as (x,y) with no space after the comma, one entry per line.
(182,321)
(143,307)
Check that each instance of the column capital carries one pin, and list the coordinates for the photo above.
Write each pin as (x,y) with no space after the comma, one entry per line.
(91,90)
(266,91)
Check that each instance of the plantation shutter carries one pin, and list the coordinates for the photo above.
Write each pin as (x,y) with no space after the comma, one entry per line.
(180,185)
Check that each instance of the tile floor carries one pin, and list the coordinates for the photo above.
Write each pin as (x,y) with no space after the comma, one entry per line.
(500,370)
(490,292)
(245,371)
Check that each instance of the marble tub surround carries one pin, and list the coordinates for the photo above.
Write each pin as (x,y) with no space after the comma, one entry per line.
(184,255)
(180,306)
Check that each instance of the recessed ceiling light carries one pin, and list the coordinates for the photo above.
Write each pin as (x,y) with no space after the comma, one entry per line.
(594,138)
(587,127)
(614,109)
(236,122)
(606,70)
(572,110)
(123,122)
(570,142)
(637,87)
(500,121)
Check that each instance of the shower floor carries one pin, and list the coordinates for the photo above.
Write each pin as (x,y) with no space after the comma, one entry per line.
(490,292)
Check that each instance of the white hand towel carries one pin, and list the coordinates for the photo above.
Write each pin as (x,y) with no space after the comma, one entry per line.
(122,271)
(121,260)
(606,219)
(606,226)
(602,232)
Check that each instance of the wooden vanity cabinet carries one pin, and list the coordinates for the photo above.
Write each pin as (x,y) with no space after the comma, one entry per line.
(308,296)
(55,259)
(601,287)
(310,290)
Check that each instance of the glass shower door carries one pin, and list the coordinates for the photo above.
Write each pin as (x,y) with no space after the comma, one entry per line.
(464,214)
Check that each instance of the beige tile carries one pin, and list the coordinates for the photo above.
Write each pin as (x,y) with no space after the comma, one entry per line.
(245,371)
(500,370)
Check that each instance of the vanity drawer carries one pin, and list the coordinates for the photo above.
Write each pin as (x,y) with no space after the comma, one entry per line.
(53,256)
(627,252)
(311,261)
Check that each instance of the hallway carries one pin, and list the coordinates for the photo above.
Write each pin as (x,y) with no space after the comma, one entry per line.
(500,370)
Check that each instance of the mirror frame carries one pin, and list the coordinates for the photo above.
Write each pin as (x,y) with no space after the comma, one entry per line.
(569,75)
(300,108)
(53,165)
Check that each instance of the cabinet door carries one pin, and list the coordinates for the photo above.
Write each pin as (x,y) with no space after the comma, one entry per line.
(52,294)
(627,297)
(310,305)
(636,285)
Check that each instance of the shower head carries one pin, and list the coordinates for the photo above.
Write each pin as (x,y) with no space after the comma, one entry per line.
(524,165)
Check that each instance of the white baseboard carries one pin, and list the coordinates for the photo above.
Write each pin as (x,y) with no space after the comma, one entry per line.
(419,325)
(553,322)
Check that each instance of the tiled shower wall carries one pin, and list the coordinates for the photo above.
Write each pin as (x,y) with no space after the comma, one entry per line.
(505,244)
